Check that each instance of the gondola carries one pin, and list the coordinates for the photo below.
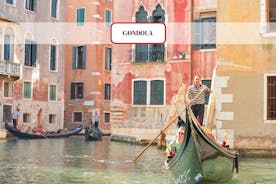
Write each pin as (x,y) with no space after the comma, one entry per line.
(25,135)
(200,159)
(93,134)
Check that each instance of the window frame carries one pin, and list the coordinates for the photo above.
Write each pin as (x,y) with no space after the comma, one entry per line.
(74,92)
(24,90)
(53,62)
(148,92)
(56,9)
(79,60)
(74,118)
(80,23)
(106,21)
(107,58)
(265,111)
(54,97)
(30,53)
(107,91)
(202,29)
(30,5)
(11,4)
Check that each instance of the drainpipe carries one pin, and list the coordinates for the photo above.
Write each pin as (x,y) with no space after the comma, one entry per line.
(192,36)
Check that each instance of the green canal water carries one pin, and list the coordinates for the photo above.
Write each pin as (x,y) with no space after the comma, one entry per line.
(72,160)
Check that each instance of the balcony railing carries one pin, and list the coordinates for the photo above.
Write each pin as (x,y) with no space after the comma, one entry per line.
(9,68)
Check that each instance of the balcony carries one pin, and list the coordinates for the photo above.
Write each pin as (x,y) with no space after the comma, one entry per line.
(9,68)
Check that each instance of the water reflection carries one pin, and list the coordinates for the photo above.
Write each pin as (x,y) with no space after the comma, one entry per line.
(72,160)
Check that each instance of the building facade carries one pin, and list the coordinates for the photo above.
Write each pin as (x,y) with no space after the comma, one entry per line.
(88,62)
(32,62)
(246,74)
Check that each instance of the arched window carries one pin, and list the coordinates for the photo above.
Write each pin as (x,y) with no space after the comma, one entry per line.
(53,55)
(141,50)
(157,50)
(8,44)
(30,51)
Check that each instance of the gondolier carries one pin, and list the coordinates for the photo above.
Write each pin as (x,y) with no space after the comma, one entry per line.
(195,94)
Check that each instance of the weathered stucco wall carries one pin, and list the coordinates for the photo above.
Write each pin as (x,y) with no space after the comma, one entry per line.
(240,82)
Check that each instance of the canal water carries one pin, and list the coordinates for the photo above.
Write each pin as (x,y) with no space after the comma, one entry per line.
(73,160)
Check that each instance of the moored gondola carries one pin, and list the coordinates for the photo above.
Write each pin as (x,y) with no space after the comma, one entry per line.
(201,159)
(26,135)
(93,134)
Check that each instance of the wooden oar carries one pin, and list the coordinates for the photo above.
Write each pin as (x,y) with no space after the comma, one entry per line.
(164,129)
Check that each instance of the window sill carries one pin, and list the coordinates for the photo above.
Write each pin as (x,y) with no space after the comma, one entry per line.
(269,34)
(269,121)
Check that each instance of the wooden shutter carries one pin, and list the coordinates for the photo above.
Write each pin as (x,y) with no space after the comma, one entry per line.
(73,94)
(83,57)
(53,57)
(7,47)
(33,53)
(54,8)
(157,92)
(140,93)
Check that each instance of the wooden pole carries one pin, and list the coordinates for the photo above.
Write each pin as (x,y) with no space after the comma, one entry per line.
(154,139)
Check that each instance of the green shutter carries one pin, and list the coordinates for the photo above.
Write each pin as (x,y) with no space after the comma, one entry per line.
(54,8)
(157,92)
(52,92)
(7,47)
(27,90)
(140,93)
(80,16)
(197,37)
(107,18)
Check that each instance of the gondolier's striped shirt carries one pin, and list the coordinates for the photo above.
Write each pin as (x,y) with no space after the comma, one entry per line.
(193,91)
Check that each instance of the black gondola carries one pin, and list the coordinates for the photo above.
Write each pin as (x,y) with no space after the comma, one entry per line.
(25,135)
(93,134)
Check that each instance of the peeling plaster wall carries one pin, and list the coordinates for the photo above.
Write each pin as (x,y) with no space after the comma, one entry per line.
(148,120)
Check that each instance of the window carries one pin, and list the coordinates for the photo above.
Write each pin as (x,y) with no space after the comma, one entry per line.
(271,98)
(79,57)
(7,113)
(205,33)
(53,57)
(106,117)
(26,118)
(27,93)
(54,8)
(207,95)
(7,89)
(80,16)
(30,53)
(108,58)
(77,117)
(107,91)
(76,90)
(150,52)
(156,91)
(30,5)
(12,2)
(53,93)
(8,48)
(272,15)
(107,16)
(52,118)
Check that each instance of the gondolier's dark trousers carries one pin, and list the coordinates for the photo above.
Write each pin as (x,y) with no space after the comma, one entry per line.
(14,123)
(198,110)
